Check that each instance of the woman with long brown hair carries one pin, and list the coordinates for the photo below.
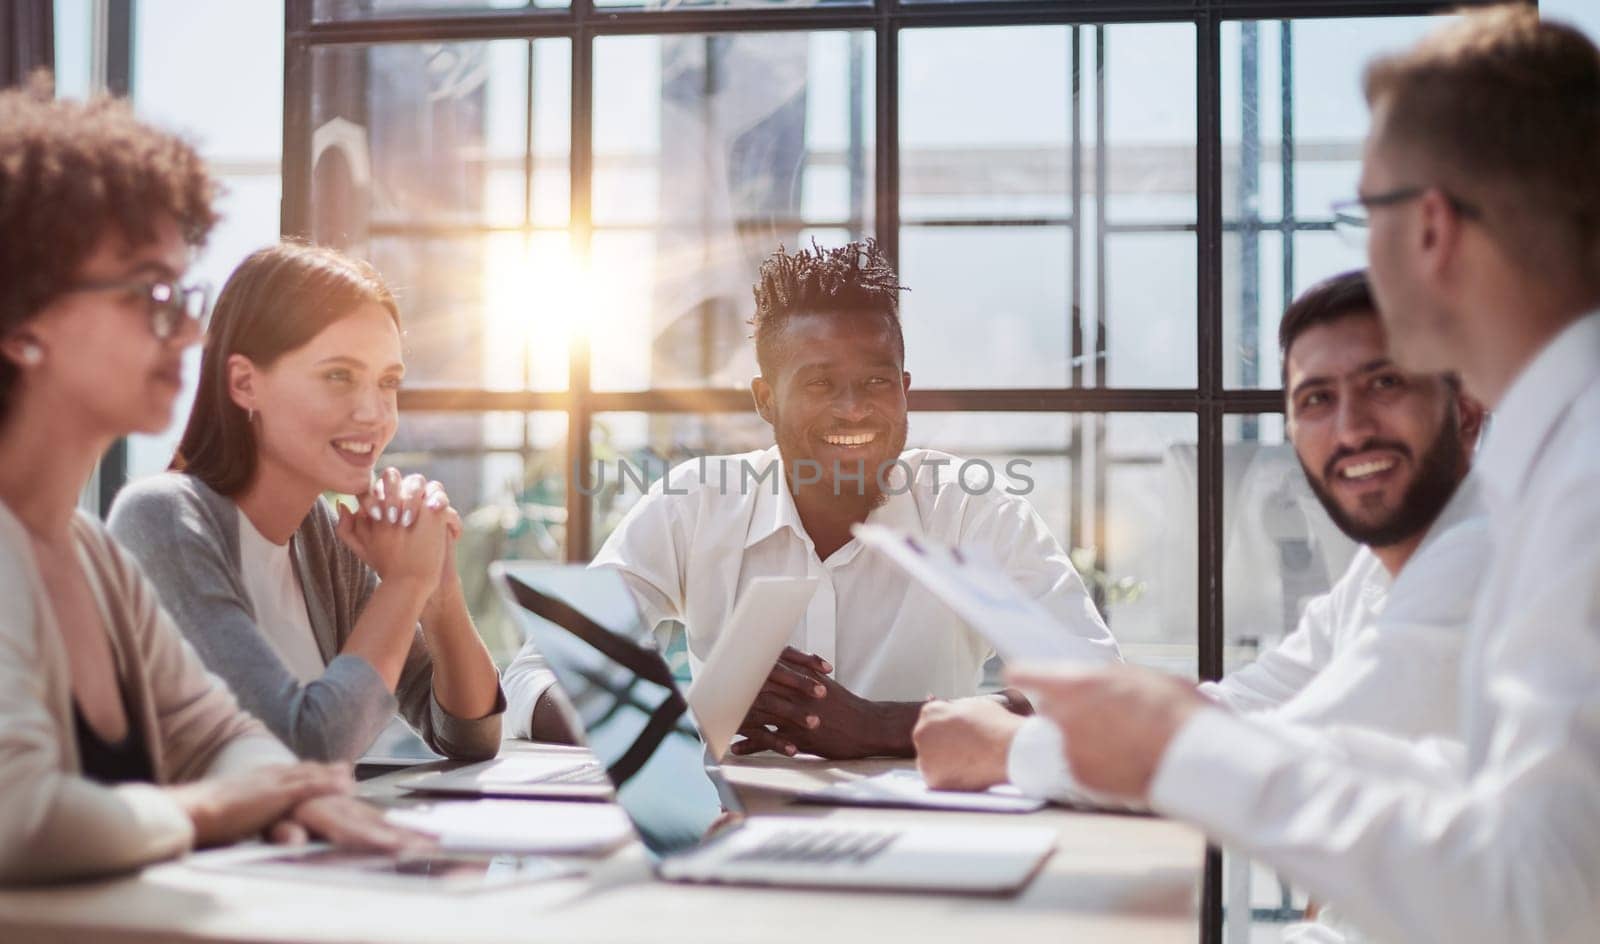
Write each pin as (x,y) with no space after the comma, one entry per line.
(323,621)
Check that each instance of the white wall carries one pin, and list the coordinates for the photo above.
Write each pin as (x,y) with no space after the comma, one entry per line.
(1580,13)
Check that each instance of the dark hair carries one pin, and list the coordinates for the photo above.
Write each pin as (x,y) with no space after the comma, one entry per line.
(276,301)
(1505,105)
(70,174)
(854,279)
(1330,300)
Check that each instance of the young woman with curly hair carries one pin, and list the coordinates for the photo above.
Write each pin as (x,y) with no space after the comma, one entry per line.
(117,748)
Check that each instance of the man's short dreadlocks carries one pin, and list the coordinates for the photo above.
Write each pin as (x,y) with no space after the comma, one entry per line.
(852,279)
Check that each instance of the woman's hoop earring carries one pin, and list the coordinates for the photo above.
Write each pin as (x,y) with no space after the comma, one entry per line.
(250,415)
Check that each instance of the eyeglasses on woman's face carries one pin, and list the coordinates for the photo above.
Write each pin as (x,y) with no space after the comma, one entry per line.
(167,304)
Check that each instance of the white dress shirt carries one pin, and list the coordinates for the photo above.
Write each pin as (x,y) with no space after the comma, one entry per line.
(1328,624)
(691,545)
(1371,652)
(1501,841)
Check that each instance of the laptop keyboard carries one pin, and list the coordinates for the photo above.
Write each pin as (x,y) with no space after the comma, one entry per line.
(819,846)
(583,774)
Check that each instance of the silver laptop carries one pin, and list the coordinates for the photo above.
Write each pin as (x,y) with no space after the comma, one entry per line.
(642,732)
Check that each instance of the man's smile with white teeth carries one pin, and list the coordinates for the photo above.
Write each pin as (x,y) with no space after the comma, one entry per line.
(851,439)
(1361,470)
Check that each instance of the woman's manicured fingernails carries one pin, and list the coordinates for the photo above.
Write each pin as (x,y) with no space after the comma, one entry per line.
(394,515)
(405,519)
(377,513)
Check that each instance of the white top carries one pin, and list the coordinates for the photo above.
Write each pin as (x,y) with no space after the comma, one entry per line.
(268,571)
(1499,842)
(690,547)
(1370,652)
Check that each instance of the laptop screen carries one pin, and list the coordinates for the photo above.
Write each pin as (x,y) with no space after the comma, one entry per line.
(586,626)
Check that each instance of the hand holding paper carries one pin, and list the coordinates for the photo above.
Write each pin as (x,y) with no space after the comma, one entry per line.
(980,592)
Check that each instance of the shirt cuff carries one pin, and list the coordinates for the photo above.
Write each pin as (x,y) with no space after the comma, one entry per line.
(468,738)
(168,830)
(1036,763)
(352,691)
(1213,770)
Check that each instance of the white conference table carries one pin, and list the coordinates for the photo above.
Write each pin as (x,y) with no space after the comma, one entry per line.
(1111,878)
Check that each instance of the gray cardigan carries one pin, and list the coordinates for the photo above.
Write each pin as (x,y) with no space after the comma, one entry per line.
(185,537)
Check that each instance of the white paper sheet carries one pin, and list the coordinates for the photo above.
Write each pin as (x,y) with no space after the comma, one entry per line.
(742,659)
(966,580)
(525,826)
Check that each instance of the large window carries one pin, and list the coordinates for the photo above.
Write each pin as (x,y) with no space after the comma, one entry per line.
(166,56)
(1099,223)
(1100,209)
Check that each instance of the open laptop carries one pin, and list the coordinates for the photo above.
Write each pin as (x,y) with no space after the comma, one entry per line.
(643,731)
(724,687)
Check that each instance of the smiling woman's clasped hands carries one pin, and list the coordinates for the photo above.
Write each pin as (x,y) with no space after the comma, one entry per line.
(404,528)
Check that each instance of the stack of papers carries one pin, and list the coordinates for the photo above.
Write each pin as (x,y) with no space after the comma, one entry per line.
(520,826)
(906,788)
